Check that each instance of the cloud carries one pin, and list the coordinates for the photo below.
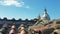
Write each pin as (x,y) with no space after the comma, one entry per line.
(11,3)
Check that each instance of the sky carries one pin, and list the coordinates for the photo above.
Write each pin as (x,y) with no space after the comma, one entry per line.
(29,9)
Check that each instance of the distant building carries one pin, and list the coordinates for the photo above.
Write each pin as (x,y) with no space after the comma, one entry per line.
(44,25)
